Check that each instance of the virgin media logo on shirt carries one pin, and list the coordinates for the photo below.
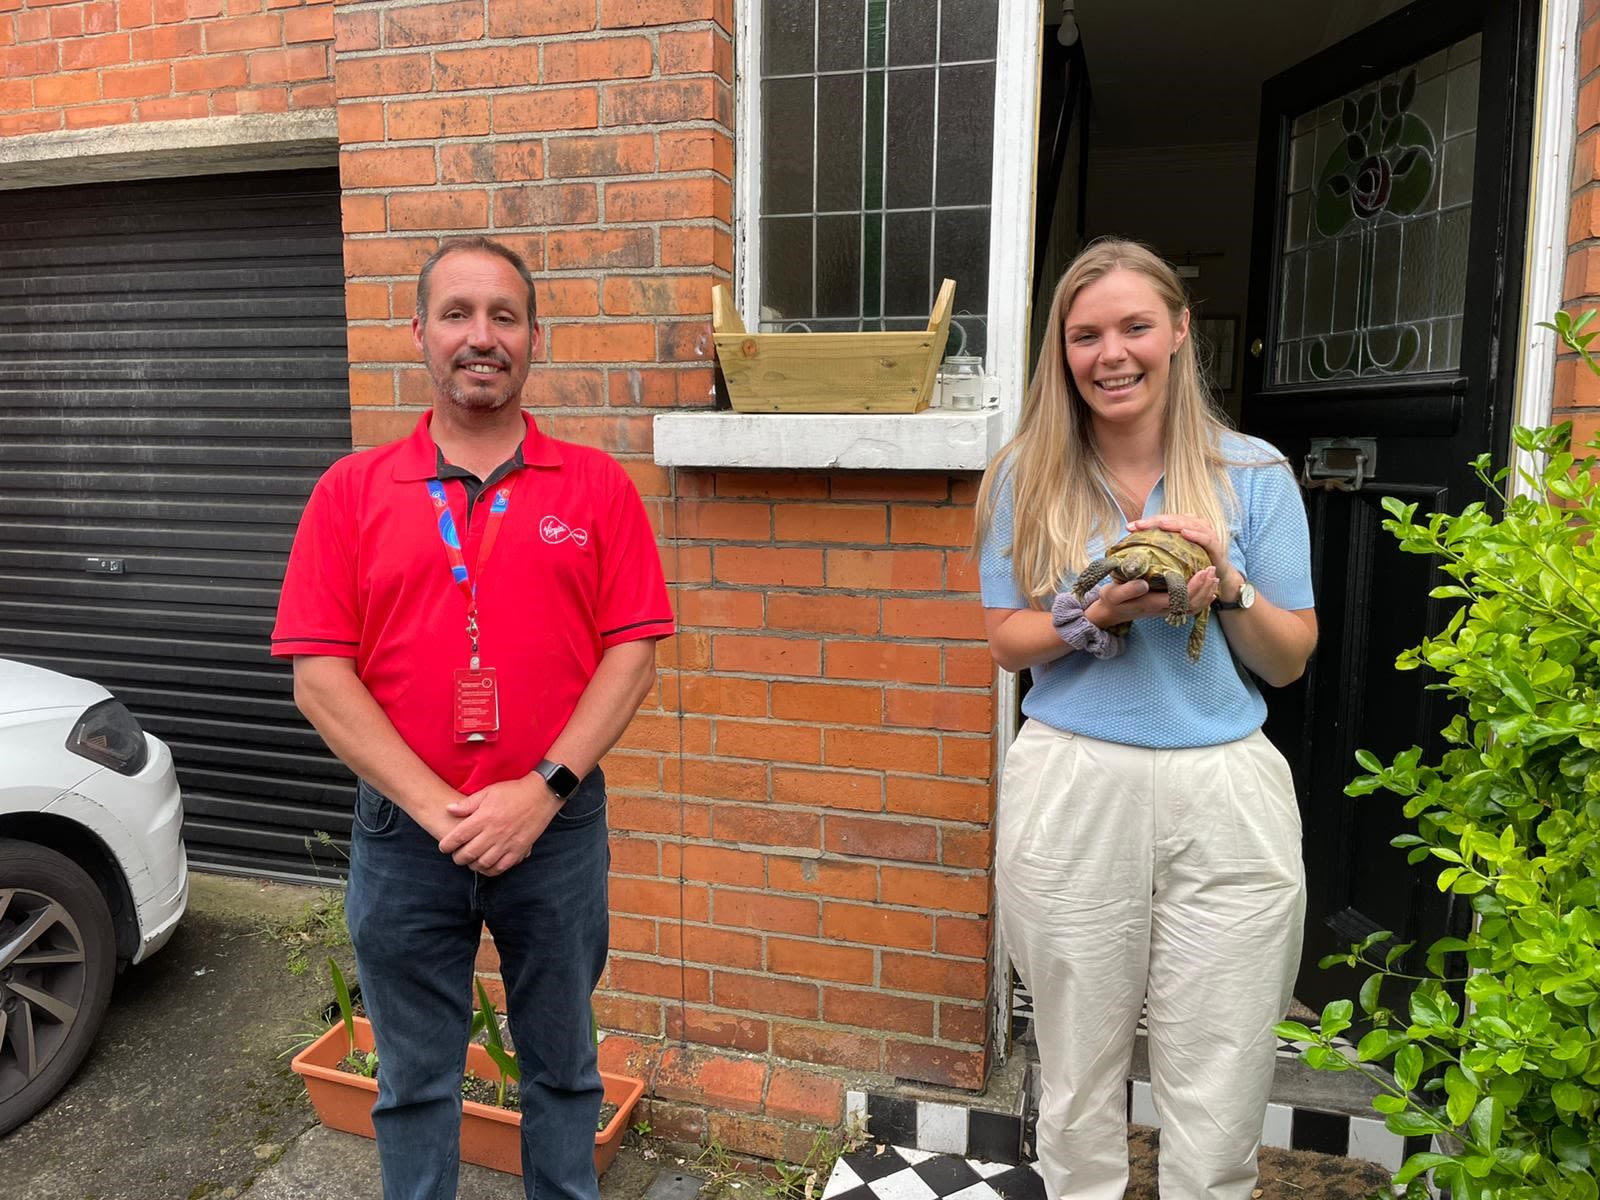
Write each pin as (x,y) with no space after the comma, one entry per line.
(555,531)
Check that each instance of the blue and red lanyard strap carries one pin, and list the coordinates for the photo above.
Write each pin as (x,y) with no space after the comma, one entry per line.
(451,538)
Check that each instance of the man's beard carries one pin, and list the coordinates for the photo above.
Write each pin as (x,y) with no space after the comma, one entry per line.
(477,399)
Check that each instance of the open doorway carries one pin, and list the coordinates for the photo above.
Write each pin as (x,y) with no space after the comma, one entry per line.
(1160,140)
(1371,324)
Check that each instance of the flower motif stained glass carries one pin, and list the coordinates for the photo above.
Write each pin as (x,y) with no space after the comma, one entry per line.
(1373,266)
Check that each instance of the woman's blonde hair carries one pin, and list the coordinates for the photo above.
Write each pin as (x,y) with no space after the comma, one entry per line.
(1058,480)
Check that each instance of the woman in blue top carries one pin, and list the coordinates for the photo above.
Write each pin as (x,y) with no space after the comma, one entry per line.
(1147,837)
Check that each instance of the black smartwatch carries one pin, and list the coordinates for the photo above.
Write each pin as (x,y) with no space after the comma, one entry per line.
(560,779)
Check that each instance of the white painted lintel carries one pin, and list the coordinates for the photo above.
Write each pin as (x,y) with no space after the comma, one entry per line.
(168,149)
(932,440)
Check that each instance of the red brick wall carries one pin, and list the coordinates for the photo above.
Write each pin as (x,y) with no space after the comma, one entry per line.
(1577,390)
(112,62)
(594,136)
(803,866)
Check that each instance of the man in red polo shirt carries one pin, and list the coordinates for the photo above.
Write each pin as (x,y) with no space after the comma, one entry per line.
(472,614)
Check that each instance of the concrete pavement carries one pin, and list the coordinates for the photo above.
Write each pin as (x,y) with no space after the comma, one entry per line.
(188,1095)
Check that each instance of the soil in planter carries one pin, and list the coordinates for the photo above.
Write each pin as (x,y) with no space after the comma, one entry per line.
(360,1062)
(474,1087)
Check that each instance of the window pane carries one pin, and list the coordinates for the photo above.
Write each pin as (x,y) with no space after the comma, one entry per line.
(839,266)
(966,134)
(961,252)
(913,26)
(907,243)
(785,268)
(786,146)
(908,180)
(967,29)
(876,160)
(841,35)
(839,143)
(788,36)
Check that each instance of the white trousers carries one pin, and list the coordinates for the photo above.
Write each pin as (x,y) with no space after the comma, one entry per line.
(1170,879)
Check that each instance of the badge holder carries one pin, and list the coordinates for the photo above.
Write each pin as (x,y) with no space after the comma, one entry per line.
(476,697)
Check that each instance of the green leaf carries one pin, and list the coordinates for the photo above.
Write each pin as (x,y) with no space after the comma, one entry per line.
(1567,1096)
(1395,952)
(1517,688)
(1571,1147)
(1414,1124)
(1369,995)
(1424,1010)
(1377,1043)
(1486,1122)
(1462,1096)
(1387,1102)
(1323,1058)
(1336,1017)
(341,996)
(1369,761)
(1418,1163)
(1294,1031)
(1408,1066)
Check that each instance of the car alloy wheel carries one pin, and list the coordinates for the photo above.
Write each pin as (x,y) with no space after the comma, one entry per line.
(57,963)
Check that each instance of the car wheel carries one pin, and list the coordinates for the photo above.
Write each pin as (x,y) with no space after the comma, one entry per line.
(58,958)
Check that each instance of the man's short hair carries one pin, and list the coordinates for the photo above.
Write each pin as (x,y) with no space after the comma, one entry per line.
(480,244)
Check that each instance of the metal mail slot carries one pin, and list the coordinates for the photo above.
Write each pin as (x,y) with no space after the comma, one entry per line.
(1339,464)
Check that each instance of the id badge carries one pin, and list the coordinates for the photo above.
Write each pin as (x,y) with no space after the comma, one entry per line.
(477,705)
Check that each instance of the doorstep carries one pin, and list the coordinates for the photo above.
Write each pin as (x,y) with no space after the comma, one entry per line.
(1327,1112)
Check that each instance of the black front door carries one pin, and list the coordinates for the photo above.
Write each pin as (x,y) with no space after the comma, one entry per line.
(1391,182)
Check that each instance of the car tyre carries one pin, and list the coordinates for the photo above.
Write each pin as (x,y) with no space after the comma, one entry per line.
(58,958)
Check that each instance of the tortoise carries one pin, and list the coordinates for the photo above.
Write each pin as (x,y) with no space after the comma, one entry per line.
(1164,560)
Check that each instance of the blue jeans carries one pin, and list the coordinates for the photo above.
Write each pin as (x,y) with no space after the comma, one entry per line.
(415,919)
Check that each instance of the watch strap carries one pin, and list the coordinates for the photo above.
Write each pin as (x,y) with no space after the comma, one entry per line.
(1226,606)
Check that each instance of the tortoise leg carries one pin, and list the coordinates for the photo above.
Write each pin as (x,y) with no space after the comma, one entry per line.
(1177,599)
(1197,635)
(1092,574)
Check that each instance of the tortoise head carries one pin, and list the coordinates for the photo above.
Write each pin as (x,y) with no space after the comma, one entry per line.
(1132,563)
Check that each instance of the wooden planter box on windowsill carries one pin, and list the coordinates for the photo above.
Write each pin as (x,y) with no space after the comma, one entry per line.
(829,372)
(490,1136)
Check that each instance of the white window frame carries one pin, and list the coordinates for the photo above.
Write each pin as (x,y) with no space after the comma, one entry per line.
(930,440)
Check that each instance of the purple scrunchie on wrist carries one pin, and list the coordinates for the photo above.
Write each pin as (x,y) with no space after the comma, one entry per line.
(1082,634)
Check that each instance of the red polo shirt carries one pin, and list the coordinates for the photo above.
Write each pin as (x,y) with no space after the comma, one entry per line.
(573,571)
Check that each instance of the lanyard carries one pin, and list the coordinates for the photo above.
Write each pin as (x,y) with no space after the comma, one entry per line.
(451,538)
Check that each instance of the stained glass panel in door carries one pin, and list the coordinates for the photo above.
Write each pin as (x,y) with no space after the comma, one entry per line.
(1373,263)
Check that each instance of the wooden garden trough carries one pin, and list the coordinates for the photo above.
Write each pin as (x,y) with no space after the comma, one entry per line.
(829,372)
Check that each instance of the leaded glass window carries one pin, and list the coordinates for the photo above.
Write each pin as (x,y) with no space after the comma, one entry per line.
(877,144)
(1374,258)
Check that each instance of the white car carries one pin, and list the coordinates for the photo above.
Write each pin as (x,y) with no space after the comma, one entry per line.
(92,871)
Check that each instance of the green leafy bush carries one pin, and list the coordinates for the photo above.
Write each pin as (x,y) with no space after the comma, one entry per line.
(1510,1082)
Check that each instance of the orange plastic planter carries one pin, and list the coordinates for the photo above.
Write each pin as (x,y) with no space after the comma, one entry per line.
(490,1136)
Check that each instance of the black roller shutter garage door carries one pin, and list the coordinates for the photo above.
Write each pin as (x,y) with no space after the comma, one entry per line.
(172,382)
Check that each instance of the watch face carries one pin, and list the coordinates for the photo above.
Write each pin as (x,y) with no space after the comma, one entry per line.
(1247,594)
(562,780)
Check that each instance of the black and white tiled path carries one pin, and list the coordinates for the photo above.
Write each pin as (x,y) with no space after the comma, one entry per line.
(950,1145)
(894,1173)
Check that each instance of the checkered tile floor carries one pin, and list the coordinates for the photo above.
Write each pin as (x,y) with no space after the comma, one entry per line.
(893,1173)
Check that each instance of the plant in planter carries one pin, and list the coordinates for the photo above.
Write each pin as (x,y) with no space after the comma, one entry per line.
(342,1092)
(1509,1083)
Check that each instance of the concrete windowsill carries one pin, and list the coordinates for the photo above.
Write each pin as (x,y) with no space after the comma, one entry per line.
(931,440)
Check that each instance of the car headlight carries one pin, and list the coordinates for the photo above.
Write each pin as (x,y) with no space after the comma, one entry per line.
(108,734)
